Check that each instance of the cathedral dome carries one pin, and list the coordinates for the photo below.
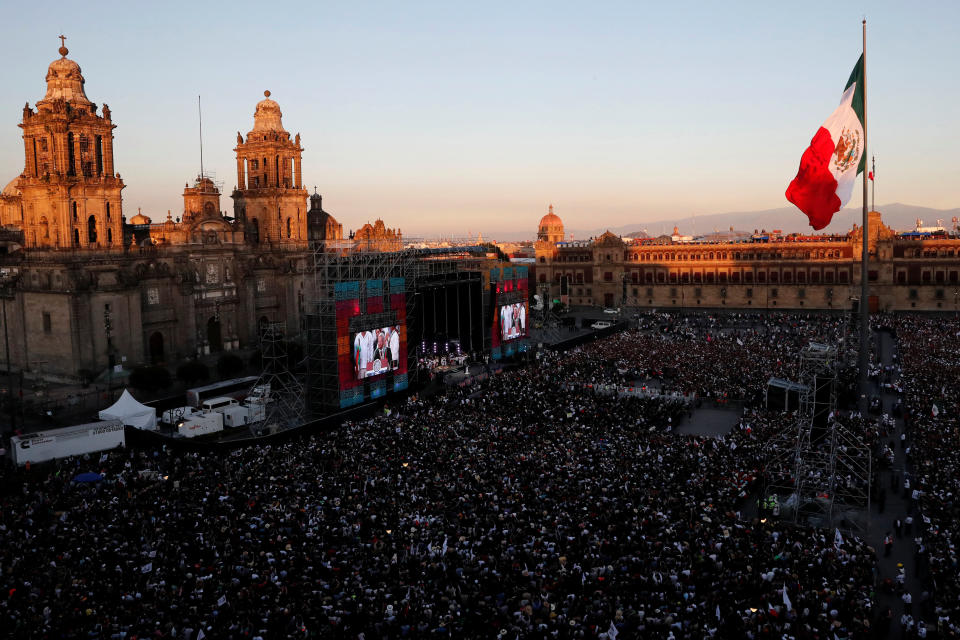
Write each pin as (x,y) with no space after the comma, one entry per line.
(551,220)
(65,82)
(12,189)
(267,116)
(551,227)
(139,219)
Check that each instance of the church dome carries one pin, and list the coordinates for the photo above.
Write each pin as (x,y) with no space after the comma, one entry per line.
(139,219)
(267,117)
(551,220)
(12,189)
(551,227)
(65,82)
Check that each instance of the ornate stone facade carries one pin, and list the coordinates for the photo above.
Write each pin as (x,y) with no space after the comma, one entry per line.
(68,195)
(322,227)
(377,237)
(84,290)
(270,198)
(907,271)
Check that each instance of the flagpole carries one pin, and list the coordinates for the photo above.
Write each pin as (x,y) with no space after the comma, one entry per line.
(864,355)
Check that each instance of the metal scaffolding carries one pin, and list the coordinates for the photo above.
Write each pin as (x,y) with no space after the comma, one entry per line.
(819,471)
(337,262)
(280,387)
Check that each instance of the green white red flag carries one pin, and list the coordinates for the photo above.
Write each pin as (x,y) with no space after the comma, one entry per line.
(829,166)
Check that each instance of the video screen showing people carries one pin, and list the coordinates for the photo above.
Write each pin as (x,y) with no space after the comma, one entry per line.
(513,321)
(376,351)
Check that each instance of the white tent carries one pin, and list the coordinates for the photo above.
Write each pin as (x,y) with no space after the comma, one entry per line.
(131,412)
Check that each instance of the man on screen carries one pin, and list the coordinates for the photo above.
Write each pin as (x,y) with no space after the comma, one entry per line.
(506,321)
(395,346)
(379,353)
(522,319)
(361,353)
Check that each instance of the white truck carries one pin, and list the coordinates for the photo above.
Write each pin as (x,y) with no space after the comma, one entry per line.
(201,424)
(69,441)
(218,404)
(177,415)
(247,413)
(235,416)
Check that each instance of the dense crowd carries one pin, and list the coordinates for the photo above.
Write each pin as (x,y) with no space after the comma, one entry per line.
(720,357)
(930,361)
(526,506)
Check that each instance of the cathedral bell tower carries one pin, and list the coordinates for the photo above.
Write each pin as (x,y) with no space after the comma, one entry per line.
(270,198)
(70,191)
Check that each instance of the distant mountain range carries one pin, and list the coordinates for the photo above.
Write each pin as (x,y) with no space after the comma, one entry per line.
(901,217)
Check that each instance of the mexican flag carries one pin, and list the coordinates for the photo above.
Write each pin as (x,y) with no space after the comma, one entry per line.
(829,166)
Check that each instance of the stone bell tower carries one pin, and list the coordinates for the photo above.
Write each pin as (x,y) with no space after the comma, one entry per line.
(270,197)
(69,188)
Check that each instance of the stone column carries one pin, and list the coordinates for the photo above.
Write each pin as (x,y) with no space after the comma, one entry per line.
(108,155)
(61,155)
(30,156)
(299,172)
(77,160)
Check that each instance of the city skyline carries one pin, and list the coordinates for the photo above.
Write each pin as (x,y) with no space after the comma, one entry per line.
(445,120)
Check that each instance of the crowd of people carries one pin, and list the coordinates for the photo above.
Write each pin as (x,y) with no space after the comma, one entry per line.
(930,363)
(711,356)
(525,506)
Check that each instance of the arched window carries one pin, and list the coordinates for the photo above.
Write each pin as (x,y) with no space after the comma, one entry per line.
(108,211)
(109,236)
(76,237)
(75,217)
(255,230)
(289,228)
(92,229)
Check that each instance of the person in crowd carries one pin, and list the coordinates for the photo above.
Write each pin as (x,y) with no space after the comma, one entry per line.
(533,504)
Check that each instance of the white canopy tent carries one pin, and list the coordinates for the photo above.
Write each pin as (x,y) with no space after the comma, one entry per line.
(131,412)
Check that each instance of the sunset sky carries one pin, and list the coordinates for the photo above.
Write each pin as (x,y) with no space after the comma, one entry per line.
(456,118)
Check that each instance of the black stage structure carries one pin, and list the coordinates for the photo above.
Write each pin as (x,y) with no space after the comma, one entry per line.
(444,303)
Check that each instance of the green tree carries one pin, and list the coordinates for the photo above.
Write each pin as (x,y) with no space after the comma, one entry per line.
(229,365)
(150,378)
(192,371)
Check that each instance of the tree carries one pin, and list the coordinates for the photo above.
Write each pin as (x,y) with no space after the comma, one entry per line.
(150,378)
(191,371)
(229,365)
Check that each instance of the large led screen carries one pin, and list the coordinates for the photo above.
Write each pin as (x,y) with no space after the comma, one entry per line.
(513,321)
(376,351)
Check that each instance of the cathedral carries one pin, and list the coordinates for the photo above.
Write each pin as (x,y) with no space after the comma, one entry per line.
(84,288)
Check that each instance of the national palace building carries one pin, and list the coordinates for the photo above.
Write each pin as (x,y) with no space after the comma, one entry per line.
(910,271)
(83,286)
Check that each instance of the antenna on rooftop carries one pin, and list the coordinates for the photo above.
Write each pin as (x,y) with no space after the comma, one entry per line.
(200,114)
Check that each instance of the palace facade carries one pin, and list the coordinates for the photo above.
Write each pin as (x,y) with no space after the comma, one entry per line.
(84,288)
(907,272)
